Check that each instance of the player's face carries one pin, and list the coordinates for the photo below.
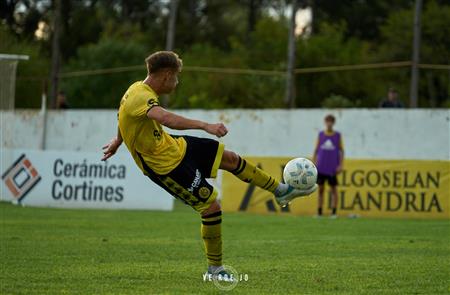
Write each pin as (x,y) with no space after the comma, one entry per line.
(329,124)
(170,80)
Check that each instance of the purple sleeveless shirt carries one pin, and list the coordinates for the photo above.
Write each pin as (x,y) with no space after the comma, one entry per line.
(328,152)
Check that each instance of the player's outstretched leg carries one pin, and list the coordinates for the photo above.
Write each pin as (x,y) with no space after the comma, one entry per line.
(249,173)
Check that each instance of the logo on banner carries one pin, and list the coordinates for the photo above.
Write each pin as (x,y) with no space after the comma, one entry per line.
(21,177)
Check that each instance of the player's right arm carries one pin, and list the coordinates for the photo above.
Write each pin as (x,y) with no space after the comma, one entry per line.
(316,150)
(111,148)
(178,122)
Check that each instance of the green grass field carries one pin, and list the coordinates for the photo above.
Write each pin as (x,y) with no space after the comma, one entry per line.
(58,251)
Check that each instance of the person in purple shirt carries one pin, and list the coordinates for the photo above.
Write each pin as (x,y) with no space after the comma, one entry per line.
(329,157)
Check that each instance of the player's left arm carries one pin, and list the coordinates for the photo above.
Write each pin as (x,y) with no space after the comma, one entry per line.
(178,122)
(341,156)
(111,148)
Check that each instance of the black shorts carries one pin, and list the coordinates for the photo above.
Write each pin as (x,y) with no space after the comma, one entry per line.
(331,179)
(187,181)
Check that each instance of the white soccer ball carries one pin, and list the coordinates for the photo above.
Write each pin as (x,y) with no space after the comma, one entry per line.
(300,173)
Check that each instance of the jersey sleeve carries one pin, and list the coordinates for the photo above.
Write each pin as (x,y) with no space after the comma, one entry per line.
(144,104)
(152,102)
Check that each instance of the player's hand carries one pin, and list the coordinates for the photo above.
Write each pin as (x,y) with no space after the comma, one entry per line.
(111,148)
(218,129)
(339,169)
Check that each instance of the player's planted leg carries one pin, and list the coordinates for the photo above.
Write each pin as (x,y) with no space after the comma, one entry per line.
(249,173)
(320,200)
(211,230)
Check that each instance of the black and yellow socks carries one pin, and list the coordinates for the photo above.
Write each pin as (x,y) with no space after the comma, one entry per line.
(212,237)
(211,224)
(249,173)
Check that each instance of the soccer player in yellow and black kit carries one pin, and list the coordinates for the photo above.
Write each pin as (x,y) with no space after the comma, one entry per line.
(181,164)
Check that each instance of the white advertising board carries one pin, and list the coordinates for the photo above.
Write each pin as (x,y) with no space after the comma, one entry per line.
(77,180)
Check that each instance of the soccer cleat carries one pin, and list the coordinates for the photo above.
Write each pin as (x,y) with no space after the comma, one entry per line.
(293,193)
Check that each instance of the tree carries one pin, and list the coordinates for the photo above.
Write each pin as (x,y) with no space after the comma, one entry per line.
(23,16)
(101,34)
(396,45)
(363,17)
(103,91)
(218,90)
(31,74)
(331,48)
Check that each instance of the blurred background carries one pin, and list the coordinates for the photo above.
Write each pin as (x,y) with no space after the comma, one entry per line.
(237,54)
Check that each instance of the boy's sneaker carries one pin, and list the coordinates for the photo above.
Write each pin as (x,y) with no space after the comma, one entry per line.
(292,193)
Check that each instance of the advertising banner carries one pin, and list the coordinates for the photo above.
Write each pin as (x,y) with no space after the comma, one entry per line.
(371,188)
(77,180)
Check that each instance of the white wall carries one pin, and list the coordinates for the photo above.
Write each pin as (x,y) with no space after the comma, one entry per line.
(373,134)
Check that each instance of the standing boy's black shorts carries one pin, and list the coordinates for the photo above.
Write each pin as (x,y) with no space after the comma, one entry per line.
(331,179)
(187,181)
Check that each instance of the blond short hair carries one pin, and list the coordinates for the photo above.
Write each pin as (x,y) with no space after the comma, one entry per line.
(163,60)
